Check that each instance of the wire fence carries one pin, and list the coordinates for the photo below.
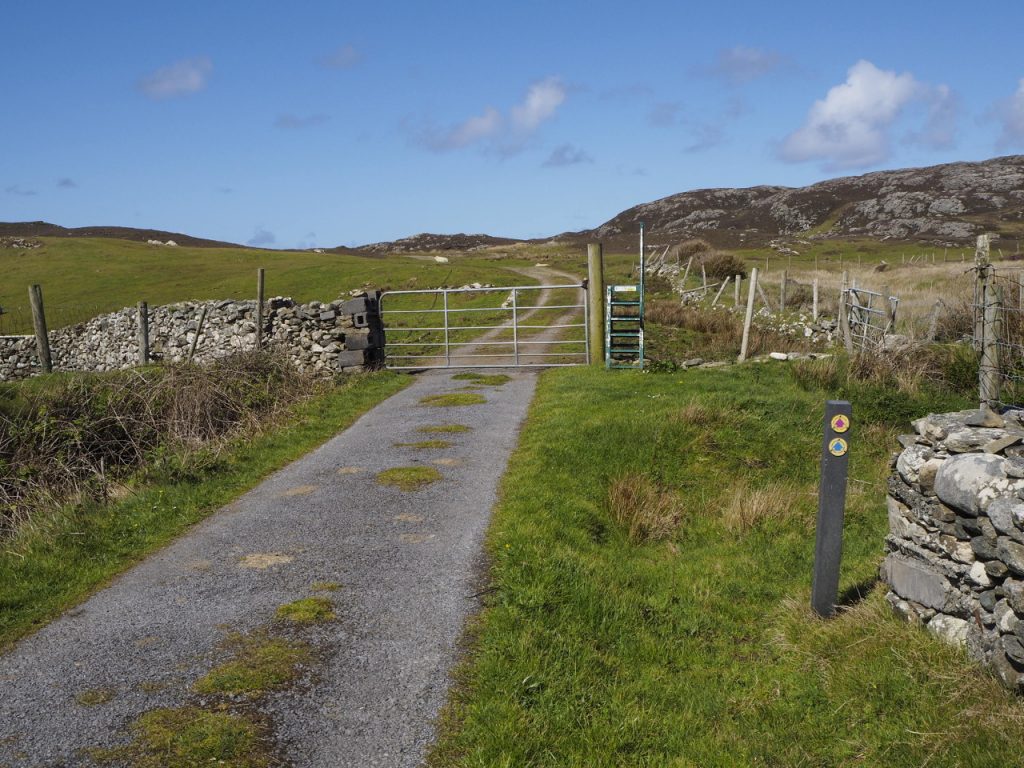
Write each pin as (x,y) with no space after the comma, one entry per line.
(998,337)
(17,320)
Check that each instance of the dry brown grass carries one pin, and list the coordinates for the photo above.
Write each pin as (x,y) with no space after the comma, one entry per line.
(696,413)
(647,511)
(746,507)
(76,436)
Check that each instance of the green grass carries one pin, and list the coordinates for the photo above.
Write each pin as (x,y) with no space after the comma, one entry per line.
(409,478)
(307,610)
(258,664)
(83,277)
(453,399)
(492,380)
(422,445)
(44,572)
(95,696)
(444,429)
(187,737)
(699,649)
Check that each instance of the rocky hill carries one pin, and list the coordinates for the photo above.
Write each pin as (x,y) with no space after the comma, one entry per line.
(943,203)
(45,229)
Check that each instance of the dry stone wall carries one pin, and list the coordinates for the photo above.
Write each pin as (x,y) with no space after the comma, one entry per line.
(318,337)
(955,550)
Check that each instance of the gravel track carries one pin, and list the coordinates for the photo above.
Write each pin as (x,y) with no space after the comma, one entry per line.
(409,566)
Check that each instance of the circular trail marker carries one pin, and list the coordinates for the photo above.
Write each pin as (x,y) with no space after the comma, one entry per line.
(838,447)
(840,423)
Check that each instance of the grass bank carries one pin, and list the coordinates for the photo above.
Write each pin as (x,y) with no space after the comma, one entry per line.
(84,277)
(46,568)
(651,565)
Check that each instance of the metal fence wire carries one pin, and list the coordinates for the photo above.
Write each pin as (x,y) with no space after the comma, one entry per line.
(998,337)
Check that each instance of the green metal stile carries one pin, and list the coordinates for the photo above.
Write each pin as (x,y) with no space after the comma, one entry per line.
(624,321)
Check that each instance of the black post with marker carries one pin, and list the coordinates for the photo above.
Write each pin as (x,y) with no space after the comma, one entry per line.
(828,545)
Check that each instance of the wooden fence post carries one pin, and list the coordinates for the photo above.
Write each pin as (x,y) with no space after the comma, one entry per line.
(595,298)
(890,313)
(259,308)
(739,279)
(35,297)
(748,319)
(195,339)
(782,291)
(143,333)
(814,300)
(844,315)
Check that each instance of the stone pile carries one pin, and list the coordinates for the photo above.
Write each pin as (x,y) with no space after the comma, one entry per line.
(955,549)
(319,337)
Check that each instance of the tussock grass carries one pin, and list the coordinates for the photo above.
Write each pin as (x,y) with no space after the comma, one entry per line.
(646,511)
(747,507)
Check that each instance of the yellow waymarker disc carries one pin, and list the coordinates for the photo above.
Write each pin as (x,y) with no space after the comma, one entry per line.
(840,422)
(838,447)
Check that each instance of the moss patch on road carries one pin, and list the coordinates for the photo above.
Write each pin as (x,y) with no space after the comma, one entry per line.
(308,610)
(453,399)
(258,664)
(409,478)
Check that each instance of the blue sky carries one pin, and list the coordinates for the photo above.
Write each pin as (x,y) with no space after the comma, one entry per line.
(331,123)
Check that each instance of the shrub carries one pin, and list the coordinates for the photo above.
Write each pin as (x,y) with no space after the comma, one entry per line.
(69,436)
(721,264)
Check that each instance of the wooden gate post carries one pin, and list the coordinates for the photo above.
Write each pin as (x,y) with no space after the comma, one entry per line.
(35,297)
(595,299)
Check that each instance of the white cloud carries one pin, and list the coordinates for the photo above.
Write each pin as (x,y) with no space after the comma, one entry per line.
(542,101)
(345,57)
(739,64)
(182,77)
(1010,114)
(505,134)
(567,154)
(469,131)
(851,127)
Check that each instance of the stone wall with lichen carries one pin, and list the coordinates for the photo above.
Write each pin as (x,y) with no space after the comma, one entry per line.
(955,549)
(319,337)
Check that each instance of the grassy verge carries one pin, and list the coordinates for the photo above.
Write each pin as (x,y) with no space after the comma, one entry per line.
(651,565)
(48,569)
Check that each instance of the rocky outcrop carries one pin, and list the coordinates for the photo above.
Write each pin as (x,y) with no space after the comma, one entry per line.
(955,549)
(944,203)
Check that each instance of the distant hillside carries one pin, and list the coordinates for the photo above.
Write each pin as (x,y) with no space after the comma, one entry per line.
(431,242)
(943,203)
(45,229)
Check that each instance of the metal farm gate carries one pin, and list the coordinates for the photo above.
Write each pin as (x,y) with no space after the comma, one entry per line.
(526,326)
